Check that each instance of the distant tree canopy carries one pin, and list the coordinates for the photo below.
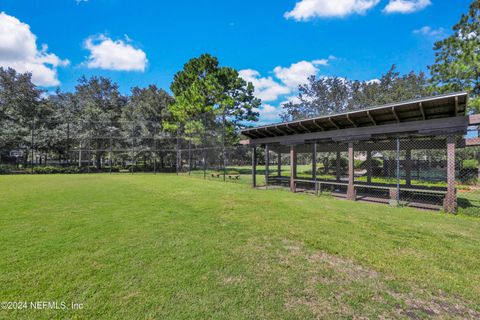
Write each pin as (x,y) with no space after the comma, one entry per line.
(457,58)
(98,115)
(328,95)
(20,104)
(93,113)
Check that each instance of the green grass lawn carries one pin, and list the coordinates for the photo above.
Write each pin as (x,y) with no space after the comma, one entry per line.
(162,246)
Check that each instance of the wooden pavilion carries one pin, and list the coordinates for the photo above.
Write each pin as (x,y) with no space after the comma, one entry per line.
(434,123)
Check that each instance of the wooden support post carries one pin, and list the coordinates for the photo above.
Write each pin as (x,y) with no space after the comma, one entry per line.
(254,167)
(408,166)
(314,162)
(369,166)
(293,167)
(267,162)
(338,166)
(279,164)
(351,187)
(450,201)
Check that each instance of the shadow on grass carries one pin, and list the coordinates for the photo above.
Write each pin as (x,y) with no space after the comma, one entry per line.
(469,206)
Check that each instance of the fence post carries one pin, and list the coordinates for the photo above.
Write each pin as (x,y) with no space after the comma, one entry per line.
(155,150)
(204,163)
(267,162)
(33,142)
(279,163)
(223,143)
(89,151)
(450,201)
(110,149)
(398,170)
(133,147)
(254,167)
(177,153)
(351,171)
(190,154)
(293,167)
(68,144)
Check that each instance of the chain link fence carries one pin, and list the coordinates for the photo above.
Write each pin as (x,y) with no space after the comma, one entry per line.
(401,171)
(439,172)
(205,148)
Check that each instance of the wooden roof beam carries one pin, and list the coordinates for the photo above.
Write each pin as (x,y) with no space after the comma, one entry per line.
(333,122)
(395,114)
(270,132)
(301,125)
(371,118)
(315,123)
(422,111)
(252,134)
(291,128)
(260,133)
(280,130)
(351,121)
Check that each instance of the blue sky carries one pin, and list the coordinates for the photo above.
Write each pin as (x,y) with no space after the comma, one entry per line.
(275,44)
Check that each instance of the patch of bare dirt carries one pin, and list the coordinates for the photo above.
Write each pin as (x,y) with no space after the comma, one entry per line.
(342,272)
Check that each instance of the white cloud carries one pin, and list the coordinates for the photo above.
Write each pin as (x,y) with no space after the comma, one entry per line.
(430,32)
(298,73)
(308,9)
(18,50)
(284,84)
(286,80)
(268,114)
(406,6)
(266,88)
(118,55)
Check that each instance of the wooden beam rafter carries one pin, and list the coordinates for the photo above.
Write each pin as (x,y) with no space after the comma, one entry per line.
(351,121)
(252,134)
(422,111)
(293,129)
(371,118)
(261,133)
(315,123)
(280,131)
(333,122)
(270,132)
(305,128)
(395,114)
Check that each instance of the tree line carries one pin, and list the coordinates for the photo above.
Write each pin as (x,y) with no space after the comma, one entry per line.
(208,105)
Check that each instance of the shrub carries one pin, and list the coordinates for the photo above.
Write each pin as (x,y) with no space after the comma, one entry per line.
(5,169)
(56,170)
(358,164)
(376,163)
(48,170)
(71,170)
(343,163)
(470,164)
